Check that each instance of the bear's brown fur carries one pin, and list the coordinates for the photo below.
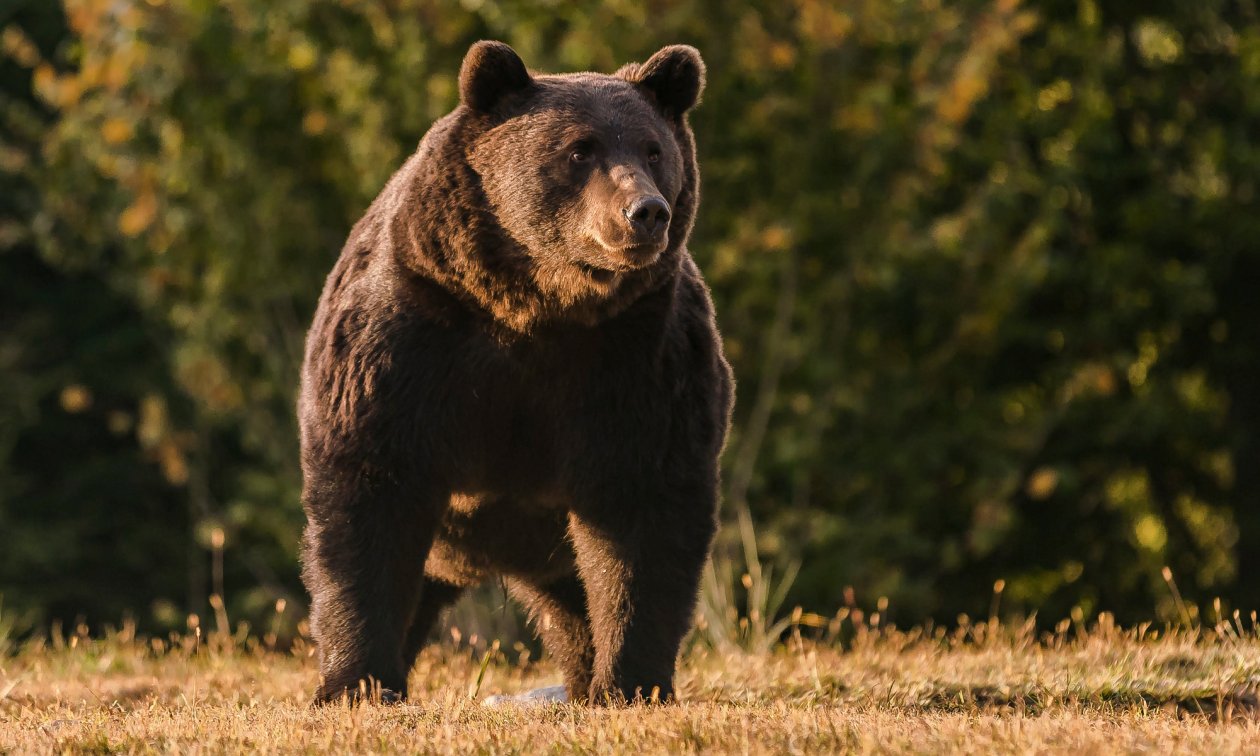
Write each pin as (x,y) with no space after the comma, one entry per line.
(514,371)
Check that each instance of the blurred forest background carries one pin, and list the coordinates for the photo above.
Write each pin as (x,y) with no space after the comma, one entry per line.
(988,273)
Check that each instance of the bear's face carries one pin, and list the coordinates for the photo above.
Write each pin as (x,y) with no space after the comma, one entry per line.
(585,171)
(584,179)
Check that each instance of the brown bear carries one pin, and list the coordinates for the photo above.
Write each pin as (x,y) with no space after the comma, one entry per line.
(514,372)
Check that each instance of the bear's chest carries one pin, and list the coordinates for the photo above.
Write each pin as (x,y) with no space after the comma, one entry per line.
(516,420)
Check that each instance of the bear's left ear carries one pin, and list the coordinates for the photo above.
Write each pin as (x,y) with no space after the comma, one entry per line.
(674,76)
(490,71)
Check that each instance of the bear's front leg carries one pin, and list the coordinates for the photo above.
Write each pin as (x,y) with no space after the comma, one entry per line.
(640,555)
(364,548)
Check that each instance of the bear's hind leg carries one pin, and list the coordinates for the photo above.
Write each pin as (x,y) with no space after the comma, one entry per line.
(558,611)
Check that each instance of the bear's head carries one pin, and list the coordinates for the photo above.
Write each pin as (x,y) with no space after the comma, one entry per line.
(591,179)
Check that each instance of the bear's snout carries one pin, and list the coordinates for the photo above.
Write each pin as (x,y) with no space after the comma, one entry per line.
(649,218)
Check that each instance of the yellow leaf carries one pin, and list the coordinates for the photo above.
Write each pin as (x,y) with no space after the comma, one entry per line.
(820,22)
(19,47)
(782,55)
(963,93)
(75,398)
(315,122)
(302,56)
(153,426)
(45,82)
(776,238)
(115,73)
(139,215)
(1042,483)
(174,465)
(116,130)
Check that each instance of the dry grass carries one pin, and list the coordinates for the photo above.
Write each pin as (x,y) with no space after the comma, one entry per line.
(984,688)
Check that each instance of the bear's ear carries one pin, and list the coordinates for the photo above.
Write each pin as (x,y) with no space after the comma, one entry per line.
(490,71)
(674,76)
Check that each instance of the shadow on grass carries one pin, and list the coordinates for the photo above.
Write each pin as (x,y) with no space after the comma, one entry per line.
(1239,704)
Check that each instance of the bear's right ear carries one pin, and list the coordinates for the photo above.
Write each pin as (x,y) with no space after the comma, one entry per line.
(490,71)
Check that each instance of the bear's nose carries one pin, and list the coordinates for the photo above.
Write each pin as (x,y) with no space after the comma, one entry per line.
(648,216)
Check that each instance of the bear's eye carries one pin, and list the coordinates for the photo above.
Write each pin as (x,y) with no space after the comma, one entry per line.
(654,155)
(580,155)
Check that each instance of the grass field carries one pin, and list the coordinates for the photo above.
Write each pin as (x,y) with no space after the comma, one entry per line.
(981,688)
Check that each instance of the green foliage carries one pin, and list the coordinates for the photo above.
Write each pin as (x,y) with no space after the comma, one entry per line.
(985,272)
(89,524)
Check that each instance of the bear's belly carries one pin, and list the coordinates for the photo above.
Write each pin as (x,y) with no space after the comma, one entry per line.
(483,535)
(500,435)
